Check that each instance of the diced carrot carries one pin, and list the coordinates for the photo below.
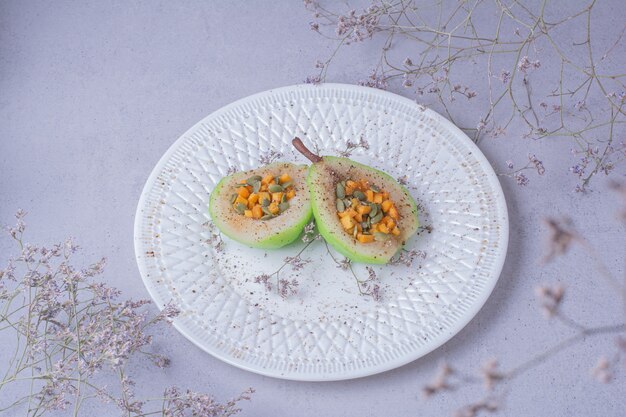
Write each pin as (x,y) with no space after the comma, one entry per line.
(364,209)
(378,198)
(370,195)
(359,227)
(273,208)
(242,181)
(244,192)
(247,213)
(348,213)
(393,213)
(383,228)
(349,189)
(269,178)
(291,194)
(242,200)
(351,183)
(386,205)
(364,184)
(257,212)
(358,217)
(390,223)
(277,196)
(364,238)
(284,178)
(385,195)
(395,231)
(347,222)
(264,195)
(253,198)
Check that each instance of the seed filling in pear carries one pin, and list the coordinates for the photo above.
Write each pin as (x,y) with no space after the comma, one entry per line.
(264,208)
(362,212)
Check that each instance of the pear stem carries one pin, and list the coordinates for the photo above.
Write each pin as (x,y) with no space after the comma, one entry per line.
(299,145)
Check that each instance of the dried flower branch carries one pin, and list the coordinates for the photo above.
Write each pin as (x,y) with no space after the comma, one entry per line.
(561,236)
(509,49)
(285,287)
(67,329)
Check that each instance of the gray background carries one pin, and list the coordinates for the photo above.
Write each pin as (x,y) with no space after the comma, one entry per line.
(93,93)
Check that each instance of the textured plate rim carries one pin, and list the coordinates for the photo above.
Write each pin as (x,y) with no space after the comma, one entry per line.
(434,343)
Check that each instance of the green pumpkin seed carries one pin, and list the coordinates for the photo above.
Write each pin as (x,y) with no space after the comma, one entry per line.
(376,218)
(283,206)
(340,205)
(375,188)
(266,210)
(359,194)
(265,202)
(365,226)
(381,237)
(287,184)
(233,198)
(347,202)
(275,188)
(267,217)
(283,199)
(277,180)
(253,179)
(240,185)
(374,210)
(241,208)
(256,186)
(340,191)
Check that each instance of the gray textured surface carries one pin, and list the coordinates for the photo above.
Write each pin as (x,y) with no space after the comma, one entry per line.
(92,95)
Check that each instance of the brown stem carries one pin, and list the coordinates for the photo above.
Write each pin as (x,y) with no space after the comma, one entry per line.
(297,143)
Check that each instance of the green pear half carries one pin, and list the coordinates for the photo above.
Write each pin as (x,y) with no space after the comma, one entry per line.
(322,179)
(266,234)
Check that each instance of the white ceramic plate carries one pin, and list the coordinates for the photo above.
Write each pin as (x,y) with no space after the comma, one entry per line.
(327,331)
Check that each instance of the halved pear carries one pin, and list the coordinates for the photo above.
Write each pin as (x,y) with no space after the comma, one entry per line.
(324,175)
(266,233)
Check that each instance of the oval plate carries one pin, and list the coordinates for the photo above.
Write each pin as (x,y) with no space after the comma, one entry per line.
(328,330)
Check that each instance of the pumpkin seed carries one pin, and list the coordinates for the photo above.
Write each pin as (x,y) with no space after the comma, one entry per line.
(253,179)
(359,194)
(233,198)
(283,206)
(374,210)
(275,188)
(267,217)
(364,226)
(347,202)
(277,180)
(265,202)
(287,184)
(340,205)
(241,208)
(256,186)
(381,237)
(241,185)
(376,218)
(283,198)
(375,188)
(340,191)
(266,210)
